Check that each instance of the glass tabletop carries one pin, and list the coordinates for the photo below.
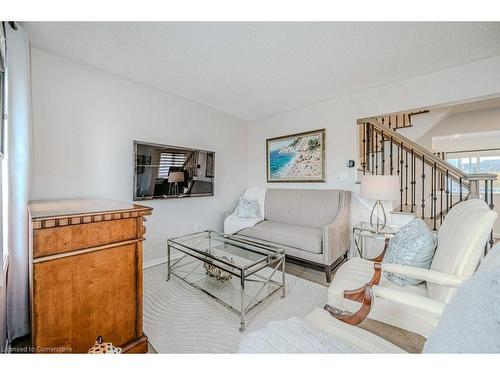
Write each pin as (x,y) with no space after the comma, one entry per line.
(225,251)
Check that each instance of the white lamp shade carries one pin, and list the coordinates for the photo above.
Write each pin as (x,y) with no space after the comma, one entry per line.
(176,177)
(378,187)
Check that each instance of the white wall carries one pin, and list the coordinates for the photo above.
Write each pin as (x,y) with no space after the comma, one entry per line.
(84,122)
(339,117)
(466,123)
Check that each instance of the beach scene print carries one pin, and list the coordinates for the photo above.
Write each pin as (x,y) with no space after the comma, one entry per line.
(296,157)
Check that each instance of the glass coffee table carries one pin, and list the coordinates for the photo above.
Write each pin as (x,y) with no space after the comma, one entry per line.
(238,273)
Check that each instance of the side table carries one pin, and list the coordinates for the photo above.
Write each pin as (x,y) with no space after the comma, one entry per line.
(363,231)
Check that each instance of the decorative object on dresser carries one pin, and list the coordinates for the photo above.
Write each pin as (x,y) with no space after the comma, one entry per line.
(379,188)
(86,274)
(296,157)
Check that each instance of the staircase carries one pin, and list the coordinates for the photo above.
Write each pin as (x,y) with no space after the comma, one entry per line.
(429,186)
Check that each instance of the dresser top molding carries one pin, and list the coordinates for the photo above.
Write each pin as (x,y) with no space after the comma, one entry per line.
(53,213)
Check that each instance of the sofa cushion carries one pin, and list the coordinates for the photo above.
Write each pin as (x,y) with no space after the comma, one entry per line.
(296,236)
(310,208)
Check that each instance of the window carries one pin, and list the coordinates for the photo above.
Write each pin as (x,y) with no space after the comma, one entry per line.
(485,161)
(169,160)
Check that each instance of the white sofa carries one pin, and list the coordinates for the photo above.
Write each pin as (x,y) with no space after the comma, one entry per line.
(313,226)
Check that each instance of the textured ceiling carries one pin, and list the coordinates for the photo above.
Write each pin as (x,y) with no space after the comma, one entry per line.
(252,70)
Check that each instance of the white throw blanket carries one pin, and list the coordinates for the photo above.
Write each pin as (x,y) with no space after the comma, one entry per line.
(234,224)
(289,337)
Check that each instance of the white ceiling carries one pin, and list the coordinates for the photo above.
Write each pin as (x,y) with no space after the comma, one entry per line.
(252,70)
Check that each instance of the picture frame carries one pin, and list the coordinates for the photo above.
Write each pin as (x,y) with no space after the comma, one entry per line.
(296,157)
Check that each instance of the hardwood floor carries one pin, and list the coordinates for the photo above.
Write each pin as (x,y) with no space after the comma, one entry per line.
(409,341)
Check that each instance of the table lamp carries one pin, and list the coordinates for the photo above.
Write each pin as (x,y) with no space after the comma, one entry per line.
(175,178)
(379,188)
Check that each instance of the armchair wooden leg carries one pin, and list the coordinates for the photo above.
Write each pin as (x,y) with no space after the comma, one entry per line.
(358,294)
(358,316)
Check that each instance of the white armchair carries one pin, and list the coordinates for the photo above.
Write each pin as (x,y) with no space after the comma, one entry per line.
(469,323)
(416,308)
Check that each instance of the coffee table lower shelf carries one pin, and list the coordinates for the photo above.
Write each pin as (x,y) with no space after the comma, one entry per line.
(247,286)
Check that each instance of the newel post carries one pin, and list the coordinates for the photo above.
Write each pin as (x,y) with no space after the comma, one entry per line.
(474,189)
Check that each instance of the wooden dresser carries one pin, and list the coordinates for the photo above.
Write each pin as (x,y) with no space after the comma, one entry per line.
(86,274)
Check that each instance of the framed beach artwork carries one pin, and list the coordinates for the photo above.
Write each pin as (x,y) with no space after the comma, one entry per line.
(296,157)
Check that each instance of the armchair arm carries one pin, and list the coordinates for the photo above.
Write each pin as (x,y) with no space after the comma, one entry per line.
(357,294)
(337,235)
(358,316)
(441,278)
(419,302)
(372,292)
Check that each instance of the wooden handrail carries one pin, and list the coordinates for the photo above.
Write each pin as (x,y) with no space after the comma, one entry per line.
(430,159)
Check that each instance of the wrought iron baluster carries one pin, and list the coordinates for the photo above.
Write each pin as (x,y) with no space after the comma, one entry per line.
(423,187)
(447,192)
(441,189)
(364,148)
(368,134)
(401,177)
(460,188)
(412,181)
(372,149)
(492,205)
(406,178)
(390,157)
(451,192)
(376,152)
(486,200)
(434,198)
(382,146)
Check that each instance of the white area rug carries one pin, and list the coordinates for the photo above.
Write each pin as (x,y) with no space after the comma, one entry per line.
(181,319)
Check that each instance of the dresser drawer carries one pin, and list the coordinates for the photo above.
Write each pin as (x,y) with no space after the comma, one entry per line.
(50,241)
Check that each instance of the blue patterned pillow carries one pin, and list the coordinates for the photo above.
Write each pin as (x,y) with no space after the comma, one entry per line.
(248,208)
(413,245)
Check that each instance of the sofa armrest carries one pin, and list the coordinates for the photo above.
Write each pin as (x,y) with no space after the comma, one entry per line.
(337,235)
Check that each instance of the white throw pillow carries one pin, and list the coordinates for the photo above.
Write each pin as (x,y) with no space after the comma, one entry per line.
(413,245)
(248,208)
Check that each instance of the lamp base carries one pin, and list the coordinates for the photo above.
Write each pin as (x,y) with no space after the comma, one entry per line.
(375,220)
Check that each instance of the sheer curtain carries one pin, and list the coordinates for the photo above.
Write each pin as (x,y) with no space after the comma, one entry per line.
(17,150)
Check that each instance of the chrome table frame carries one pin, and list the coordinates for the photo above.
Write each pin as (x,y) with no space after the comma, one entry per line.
(272,257)
(364,230)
